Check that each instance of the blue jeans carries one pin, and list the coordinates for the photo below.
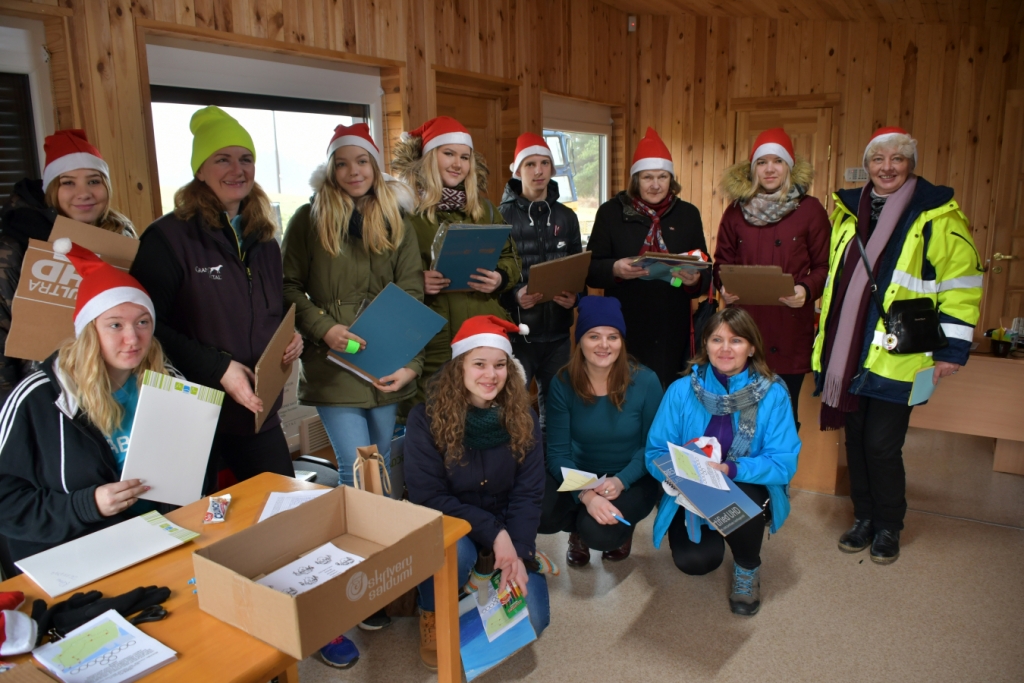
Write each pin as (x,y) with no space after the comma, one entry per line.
(350,428)
(536,588)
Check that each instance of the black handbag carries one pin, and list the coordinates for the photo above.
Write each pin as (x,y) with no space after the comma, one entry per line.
(911,325)
(699,319)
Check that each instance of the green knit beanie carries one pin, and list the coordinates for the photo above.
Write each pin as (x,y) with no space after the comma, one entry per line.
(212,129)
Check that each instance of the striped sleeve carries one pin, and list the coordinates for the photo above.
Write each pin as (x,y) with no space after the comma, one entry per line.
(958,277)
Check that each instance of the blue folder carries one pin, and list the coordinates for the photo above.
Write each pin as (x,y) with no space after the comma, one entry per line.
(464,248)
(727,511)
(395,327)
(479,655)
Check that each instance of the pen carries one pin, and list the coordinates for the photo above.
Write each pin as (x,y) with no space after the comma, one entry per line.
(622,520)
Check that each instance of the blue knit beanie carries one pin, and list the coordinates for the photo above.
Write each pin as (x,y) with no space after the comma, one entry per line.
(599,311)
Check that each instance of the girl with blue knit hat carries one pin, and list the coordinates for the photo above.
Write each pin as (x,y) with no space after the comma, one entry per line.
(599,410)
(213,269)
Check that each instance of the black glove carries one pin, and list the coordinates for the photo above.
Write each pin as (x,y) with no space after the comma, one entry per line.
(82,607)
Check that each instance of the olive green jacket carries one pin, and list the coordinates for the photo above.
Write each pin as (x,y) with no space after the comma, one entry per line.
(328,291)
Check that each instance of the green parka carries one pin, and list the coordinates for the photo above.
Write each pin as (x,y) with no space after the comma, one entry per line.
(328,291)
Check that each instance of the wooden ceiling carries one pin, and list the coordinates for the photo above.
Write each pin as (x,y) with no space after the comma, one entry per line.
(974,12)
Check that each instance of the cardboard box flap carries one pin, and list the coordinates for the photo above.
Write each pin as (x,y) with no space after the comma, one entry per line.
(377,517)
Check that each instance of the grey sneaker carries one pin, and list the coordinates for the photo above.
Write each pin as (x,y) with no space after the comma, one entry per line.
(745,599)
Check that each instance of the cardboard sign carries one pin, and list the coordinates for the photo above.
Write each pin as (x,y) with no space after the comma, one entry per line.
(271,373)
(566,274)
(43,311)
(757,285)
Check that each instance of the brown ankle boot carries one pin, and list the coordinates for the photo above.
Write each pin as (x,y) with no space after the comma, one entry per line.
(620,553)
(428,640)
(578,553)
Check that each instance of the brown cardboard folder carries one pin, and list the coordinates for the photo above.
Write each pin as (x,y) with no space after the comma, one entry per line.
(271,373)
(43,311)
(566,274)
(756,285)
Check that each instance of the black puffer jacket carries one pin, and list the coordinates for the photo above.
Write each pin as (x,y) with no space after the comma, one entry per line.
(542,231)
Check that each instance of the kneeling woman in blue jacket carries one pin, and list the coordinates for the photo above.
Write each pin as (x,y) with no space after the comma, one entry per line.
(728,392)
(474,451)
(64,430)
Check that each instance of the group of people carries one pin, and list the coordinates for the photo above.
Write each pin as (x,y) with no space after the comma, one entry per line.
(210,286)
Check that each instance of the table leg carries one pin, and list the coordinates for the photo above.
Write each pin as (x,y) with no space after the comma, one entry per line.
(1009,456)
(289,675)
(446,590)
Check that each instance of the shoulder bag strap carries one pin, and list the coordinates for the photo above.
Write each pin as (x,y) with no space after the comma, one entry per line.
(874,285)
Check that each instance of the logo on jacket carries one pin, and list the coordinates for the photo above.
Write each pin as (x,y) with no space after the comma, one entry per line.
(212,271)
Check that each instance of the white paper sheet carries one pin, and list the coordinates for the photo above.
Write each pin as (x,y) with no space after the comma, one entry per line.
(696,467)
(90,558)
(310,570)
(578,480)
(279,502)
(106,649)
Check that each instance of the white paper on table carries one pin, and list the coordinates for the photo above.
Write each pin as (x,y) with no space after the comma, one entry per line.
(279,502)
(310,570)
(76,563)
(493,616)
(696,467)
(578,480)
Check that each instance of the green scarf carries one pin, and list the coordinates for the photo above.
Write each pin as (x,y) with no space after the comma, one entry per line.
(484,430)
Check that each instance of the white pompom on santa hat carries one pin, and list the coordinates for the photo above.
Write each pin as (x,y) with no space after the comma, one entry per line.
(18,630)
(651,154)
(773,141)
(442,130)
(528,145)
(103,286)
(69,150)
(485,330)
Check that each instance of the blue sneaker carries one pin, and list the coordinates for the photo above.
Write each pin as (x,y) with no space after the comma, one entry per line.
(341,653)
(746,591)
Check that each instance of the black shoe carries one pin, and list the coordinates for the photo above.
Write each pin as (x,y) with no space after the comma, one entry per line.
(886,547)
(375,621)
(858,537)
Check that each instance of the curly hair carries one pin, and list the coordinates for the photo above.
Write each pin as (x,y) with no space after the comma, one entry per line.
(448,401)
(383,228)
(110,220)
(196,198)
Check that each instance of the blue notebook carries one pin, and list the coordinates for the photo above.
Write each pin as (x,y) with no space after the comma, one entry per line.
(479,654)
(660,266)
(725,510)
(395,327)
(458,250)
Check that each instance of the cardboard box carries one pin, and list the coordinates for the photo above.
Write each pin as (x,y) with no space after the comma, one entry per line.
(403,545)
(43,310)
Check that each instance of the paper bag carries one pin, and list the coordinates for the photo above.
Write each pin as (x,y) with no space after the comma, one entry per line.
(369,471)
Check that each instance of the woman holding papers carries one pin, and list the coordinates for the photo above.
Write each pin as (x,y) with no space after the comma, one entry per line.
(76,185)
(922,254)
(64,430)
(731,394)
(213,269)
(474,451)
(450,179)
(599,411)
(649,217)
(771,220)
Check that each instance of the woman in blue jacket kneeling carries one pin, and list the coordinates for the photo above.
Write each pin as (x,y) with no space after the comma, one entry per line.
(728,392)
(474,451)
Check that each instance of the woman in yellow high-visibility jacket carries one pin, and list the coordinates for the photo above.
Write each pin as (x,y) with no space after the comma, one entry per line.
(919,245)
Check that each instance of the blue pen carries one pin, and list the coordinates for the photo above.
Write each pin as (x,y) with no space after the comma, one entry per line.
(622,520)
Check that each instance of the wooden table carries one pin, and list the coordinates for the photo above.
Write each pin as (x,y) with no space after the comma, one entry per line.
(210,650)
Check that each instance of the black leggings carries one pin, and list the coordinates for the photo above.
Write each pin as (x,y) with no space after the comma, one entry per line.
(706,556)
(248,455)
(561,512)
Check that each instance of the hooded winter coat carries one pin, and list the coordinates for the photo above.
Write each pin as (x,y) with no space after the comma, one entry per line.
(798,244)
(657,314)
(454,307)
(329,291)
(542,231)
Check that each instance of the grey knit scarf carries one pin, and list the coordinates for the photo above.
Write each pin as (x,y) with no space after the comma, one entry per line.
(763,209)
(745,401)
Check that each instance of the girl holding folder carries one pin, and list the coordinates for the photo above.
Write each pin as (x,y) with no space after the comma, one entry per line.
(64,430)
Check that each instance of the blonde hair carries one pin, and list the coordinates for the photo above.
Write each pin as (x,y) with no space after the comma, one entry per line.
(783,189)
(196,198)
(383,227)
(81,362)
(428,186)
(111,220)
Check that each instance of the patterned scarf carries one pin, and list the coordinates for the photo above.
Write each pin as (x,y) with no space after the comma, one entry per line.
(452,199)
(654,242)
(745,401)
(484,430)
(762,209)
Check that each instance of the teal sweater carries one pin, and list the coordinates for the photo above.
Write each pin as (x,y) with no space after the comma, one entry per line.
(596,437)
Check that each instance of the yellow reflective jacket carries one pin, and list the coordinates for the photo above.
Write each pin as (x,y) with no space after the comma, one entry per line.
(930,255)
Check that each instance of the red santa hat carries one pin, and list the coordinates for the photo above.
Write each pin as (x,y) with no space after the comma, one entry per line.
(529,144)
(358,135)
(485,330)
(651,154)
(18,631)
(773,141)
(69,150)
(890,134)
(443,130)
(103,286)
